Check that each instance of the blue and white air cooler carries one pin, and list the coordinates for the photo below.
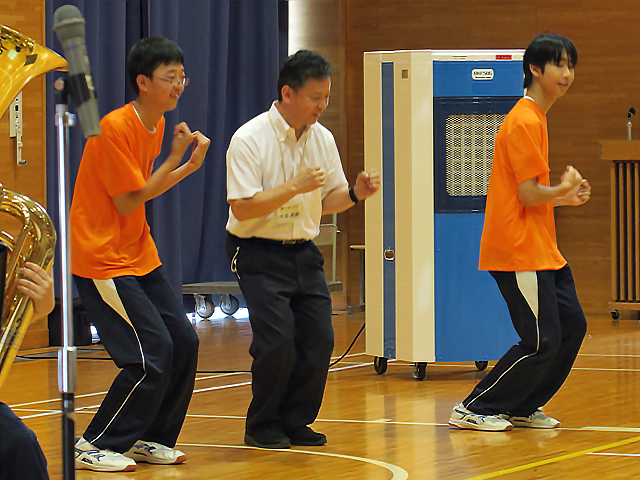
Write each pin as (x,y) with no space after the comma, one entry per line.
(430,122)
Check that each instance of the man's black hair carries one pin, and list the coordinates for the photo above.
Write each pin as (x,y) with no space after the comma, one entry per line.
(300,67)
(544,49)
(148,54)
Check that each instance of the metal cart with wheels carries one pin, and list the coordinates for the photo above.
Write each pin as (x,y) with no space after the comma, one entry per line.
(229,303)
(204,304)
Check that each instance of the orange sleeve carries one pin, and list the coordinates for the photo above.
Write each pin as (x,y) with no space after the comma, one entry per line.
(119,172)
(524,151)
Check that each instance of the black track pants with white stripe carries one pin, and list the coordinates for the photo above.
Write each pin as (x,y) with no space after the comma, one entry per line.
(143,327)
(547,316)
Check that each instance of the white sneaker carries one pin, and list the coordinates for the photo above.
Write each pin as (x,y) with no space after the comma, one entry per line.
(89,457)
(536,420)
(463,418)
(152,452)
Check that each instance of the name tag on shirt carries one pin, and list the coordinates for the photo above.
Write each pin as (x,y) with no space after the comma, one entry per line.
(288,213)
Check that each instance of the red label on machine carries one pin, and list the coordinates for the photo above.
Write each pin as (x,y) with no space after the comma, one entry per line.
(504,57)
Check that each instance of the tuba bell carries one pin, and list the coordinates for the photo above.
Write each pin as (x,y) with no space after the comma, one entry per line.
(21,59)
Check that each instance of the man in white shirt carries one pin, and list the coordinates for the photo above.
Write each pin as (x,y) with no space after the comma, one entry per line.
(283,173)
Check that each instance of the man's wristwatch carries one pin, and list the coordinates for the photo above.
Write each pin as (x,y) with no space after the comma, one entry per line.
(352,195)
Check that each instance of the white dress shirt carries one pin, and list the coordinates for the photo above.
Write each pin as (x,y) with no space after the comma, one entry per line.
(263,154)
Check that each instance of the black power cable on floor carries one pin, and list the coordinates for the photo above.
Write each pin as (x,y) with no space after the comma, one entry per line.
(331,365)
(350,346)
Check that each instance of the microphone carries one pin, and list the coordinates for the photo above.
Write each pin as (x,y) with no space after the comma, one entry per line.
(69,27)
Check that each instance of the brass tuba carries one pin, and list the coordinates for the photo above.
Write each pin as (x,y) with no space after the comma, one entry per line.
(21,59)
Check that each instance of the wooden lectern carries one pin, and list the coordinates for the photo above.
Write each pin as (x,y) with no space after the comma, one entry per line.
(625,224)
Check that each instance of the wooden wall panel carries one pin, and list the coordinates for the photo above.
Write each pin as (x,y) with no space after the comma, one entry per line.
(606,85)
(27,17)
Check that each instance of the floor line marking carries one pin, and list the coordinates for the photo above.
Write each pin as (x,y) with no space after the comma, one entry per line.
(595,369)
(548,461)
(608,429)
(398,472)
(86,395)
(36,410)
(222,387)
(49,414)
(606,355)
(389,421)
(382,421)
(233,385)
(616,454)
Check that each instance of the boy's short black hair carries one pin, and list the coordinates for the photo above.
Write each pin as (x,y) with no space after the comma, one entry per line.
(302,66)
(148,54)
(547,48)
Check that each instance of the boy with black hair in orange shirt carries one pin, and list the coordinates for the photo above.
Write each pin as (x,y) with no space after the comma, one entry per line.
(118,273)
(520,251)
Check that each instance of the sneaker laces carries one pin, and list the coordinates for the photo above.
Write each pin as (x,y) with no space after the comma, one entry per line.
(479,415)
(537,414)
(483,417)
(147,447)
(96,453)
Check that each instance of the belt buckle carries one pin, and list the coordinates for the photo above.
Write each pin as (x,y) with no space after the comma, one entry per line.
(289,242)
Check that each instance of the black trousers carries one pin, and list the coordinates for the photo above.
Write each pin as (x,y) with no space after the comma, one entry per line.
(21,457)
(143,326)
(547,315)
(290,313)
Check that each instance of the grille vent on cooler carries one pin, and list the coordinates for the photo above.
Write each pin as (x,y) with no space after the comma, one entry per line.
(469,152)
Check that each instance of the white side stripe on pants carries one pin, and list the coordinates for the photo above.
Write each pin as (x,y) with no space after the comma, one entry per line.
(528,286)
(109,293)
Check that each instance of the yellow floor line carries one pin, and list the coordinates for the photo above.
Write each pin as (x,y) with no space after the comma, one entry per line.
(556,459)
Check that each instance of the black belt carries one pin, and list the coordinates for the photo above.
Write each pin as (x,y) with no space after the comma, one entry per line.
(270,241)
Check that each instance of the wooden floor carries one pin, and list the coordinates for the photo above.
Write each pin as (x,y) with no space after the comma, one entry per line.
(379,427)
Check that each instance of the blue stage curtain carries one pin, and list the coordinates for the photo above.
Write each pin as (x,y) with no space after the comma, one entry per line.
(233,52)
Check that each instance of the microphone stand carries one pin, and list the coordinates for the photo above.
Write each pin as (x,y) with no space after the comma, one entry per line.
(67,354)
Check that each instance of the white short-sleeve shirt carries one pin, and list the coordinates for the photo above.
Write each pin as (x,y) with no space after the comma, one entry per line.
(263,154)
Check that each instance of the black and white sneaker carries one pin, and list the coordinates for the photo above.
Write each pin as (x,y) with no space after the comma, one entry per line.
(463,418)
(536,420)
(89,457)
(152,452)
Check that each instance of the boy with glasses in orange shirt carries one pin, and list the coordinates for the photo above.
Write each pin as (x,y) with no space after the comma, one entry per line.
(118,273)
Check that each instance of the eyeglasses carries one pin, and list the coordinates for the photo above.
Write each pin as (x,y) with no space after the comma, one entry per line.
(176,82)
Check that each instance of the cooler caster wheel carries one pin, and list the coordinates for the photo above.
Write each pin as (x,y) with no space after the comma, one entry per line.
(482,365)
(419,370)
(380,365)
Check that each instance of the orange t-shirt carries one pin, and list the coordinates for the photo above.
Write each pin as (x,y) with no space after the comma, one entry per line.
(515,238)
(104,244)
